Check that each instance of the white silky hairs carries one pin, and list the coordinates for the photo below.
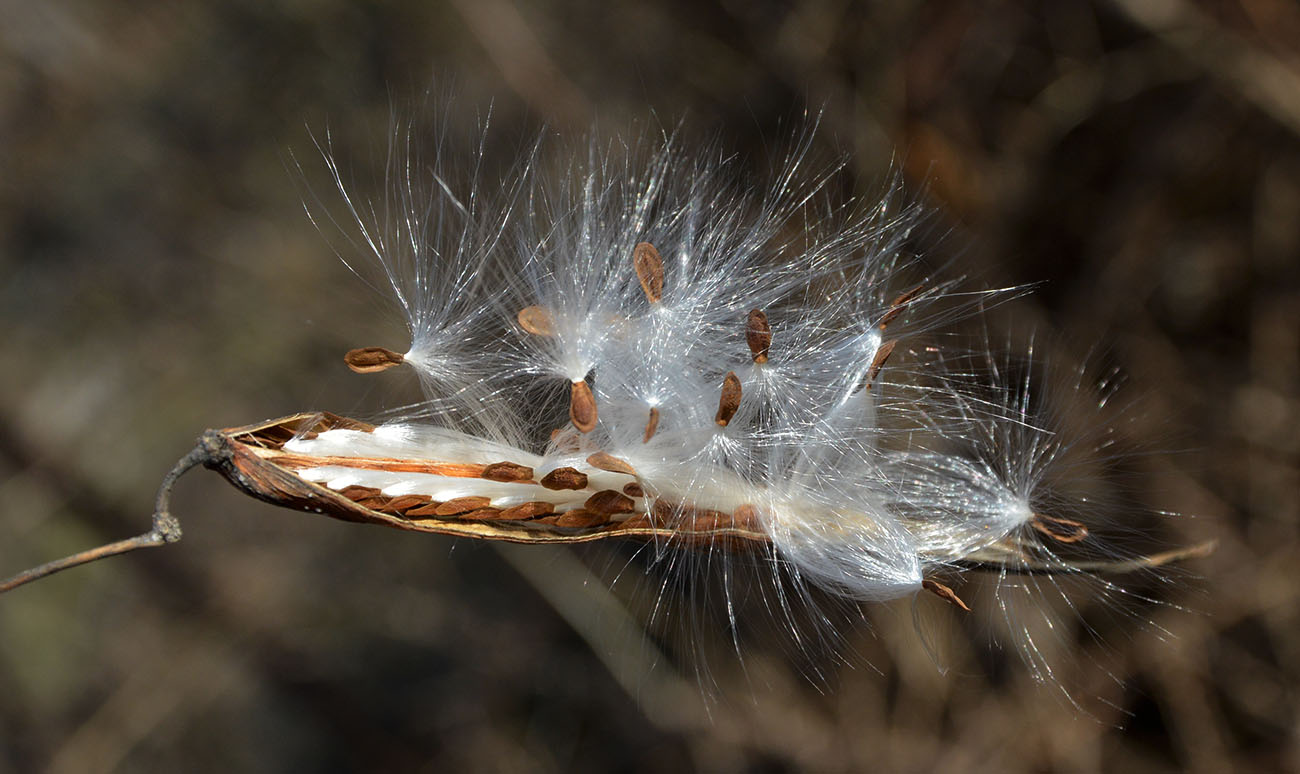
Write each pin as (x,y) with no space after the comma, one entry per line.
(767,354)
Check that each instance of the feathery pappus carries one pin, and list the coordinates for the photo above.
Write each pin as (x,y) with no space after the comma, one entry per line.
(635,343)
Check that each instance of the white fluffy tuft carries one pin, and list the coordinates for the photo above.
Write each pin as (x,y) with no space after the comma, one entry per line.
(871,467)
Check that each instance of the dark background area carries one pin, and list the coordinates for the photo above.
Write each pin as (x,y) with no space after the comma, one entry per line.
(158,276)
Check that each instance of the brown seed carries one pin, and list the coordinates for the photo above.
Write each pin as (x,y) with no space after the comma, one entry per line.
(758,334)
(608,501)
(429,509)
(536,320)
(633,489)
(565,478)
(482,514)
(899,305)
(580,517)
(1061,530)
(582,407)
(730,400)
(507,471)
(530,510)
(878,362)
(370,360)
(359,493)
(462,505)
(943,592)
(610,463)
(650,270)
(404,503)
(651,425)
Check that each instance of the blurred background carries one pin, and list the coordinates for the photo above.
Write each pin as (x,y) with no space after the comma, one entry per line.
(158,276)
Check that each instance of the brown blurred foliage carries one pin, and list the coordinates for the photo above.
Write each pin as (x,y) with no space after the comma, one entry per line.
(157,277)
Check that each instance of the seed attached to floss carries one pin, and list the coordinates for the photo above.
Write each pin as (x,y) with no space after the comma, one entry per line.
(878,362)
(582,407)
(650,270)
(651,425)
(758,334)
(536,320)
(372,360)
(730,400)
(1061,530)
(943,592)
(899,305)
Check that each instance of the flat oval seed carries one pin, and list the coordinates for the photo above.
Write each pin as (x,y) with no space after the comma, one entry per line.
(758,335)
(651,425)
(565,478)
(878,362)
(507,471)
(536,320)
(730,400)
(370,360)
(610,463)
(460,505)
(404,503)
(582,407)
(529,510)
(580,517)
(650,270)
(608,501)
